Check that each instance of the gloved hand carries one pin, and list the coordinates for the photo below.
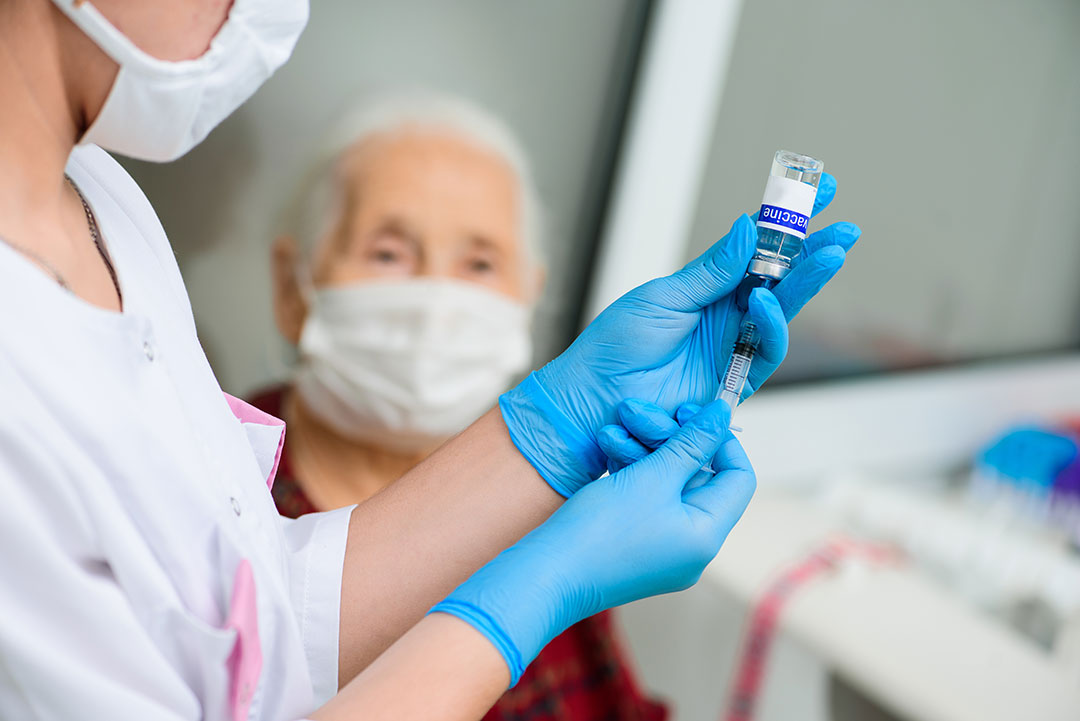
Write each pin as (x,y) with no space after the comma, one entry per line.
(642,427)
(667,342)
(640,532)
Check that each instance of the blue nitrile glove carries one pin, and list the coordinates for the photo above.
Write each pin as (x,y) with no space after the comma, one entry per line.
(642,427)
(637,533)
(667,341)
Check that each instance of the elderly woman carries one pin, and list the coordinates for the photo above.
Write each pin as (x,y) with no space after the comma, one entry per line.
(409,286)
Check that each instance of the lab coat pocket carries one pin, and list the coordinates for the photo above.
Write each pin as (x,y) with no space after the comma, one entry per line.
(200,653)
(220,665)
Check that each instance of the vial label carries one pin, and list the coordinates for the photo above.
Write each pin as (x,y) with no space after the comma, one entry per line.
(787,205)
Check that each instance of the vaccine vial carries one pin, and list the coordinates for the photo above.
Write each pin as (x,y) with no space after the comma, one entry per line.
(782,224)
(785,213)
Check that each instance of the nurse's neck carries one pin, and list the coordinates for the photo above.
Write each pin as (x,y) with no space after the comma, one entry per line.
(52,78)
(334,471)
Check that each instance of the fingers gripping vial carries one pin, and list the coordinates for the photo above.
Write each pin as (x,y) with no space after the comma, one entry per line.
(782,226)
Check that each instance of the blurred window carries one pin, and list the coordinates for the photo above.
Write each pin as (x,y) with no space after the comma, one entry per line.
(953,127)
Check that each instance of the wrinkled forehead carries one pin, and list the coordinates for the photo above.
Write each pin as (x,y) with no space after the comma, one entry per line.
(422,149)
(407,167)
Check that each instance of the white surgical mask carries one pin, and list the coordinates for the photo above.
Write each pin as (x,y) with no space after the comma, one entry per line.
(405,364)
(159,109)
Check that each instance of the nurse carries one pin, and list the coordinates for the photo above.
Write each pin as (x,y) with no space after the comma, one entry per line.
(146,572)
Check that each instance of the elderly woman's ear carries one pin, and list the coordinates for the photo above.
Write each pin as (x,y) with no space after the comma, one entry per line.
(290,304)
(537,281)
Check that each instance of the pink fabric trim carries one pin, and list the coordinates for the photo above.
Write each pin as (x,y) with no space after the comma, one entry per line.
(245,662)
(247,413)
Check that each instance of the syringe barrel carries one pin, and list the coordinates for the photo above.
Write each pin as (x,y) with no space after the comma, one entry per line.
(785,213)
(738,369)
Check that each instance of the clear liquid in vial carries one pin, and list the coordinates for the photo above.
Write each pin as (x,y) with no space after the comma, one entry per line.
(775,247)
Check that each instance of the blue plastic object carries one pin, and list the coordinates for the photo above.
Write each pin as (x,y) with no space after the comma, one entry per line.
(1027,457)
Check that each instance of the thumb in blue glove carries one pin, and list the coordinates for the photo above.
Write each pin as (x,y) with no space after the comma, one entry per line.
(648,529)
(642,427)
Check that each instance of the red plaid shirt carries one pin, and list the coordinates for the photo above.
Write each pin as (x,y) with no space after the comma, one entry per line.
(582,675)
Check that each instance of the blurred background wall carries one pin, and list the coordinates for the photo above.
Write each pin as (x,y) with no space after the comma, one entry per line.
(953,127)
(557,72)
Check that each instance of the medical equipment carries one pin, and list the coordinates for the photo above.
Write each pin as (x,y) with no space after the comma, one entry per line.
(1023,574)
(781,225)
(1031,475)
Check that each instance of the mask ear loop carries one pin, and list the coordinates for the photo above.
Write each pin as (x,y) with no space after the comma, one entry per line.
(305,281)
(282,357)
(305,284)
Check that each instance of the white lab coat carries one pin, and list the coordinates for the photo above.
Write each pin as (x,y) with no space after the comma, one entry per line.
(137,536)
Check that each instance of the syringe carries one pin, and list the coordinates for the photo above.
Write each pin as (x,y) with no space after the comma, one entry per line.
(782,224)
(738,369)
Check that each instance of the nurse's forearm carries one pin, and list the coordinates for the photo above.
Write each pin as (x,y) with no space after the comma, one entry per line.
(441,670)
(412,544)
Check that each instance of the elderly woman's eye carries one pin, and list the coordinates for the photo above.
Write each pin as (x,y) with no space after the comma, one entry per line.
(481,265)
(388,250)
(384,255)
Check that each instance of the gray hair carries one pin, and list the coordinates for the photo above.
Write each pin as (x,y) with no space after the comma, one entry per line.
(314,207)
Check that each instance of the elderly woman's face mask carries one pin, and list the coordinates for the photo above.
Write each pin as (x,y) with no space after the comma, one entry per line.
(403,365)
